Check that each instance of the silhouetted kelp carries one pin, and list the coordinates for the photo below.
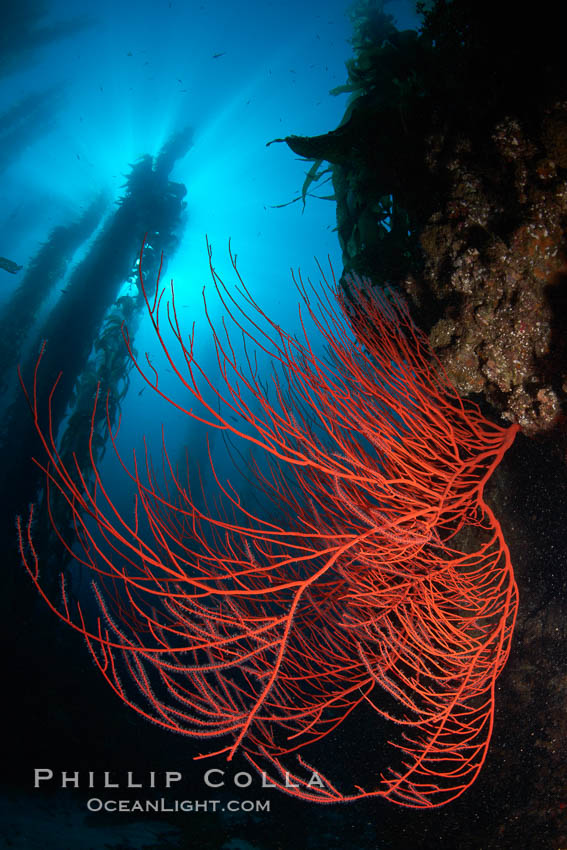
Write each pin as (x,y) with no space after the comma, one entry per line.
(83,328)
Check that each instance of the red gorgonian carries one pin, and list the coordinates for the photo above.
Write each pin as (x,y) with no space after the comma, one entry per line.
(377,577)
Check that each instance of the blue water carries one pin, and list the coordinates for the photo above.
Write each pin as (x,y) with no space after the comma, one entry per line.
(115,80)
(131,75)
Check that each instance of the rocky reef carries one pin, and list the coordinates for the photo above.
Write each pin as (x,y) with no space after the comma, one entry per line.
(450,176)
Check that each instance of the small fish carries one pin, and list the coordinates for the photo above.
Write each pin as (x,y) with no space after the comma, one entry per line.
(141,391)
(218,55)
(9,265)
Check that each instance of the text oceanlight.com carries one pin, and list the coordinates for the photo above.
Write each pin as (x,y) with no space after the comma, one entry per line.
(95,804)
